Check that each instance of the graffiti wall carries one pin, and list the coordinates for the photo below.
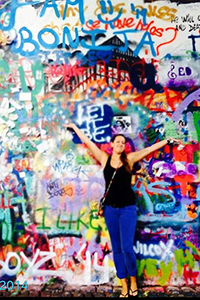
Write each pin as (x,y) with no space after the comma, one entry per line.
(109,66)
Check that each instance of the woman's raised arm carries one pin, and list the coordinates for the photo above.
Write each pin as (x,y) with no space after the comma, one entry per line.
(100,155)
(138,155)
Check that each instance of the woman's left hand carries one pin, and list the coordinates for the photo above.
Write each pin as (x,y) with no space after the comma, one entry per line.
(173,141)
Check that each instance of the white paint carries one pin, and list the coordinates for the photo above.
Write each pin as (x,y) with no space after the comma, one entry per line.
(22,174)
(43,146)
(153,250)
(15,104)
(25,96)
(40,257)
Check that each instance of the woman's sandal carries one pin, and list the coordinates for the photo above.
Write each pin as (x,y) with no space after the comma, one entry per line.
(124,295)
(133,292)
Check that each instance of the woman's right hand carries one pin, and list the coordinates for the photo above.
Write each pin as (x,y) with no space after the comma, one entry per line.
(100,155)
(70,126)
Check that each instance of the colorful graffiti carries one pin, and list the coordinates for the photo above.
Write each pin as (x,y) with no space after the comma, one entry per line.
(109,66)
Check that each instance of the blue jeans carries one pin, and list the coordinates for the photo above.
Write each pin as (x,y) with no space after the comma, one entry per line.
(121,224)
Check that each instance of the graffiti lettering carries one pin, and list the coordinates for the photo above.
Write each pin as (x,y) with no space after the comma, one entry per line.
(182,71)
(148,203)
(79,221)
(110,9)
(11,20)
(193,38)
(24,31)
(67,2)
(161,251)
(41,257)
(163,12)
(64,191)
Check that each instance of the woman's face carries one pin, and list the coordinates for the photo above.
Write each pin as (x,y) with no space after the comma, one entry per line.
(118,144)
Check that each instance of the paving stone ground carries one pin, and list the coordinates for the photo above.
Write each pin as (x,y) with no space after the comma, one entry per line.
(58,288)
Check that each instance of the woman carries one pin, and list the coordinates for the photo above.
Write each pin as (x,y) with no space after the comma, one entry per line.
(120,209)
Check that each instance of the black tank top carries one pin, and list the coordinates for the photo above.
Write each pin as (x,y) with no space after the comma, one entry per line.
(120,193)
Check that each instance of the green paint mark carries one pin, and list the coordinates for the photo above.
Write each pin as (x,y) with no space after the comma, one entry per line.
(151,267)
(183,259)
(18,229)
(140,266)
(4,228)
(196,157)
(166,271)
(23,80)
(4,68)
(93,215)
(70,221)
(38,73)
(192,247)
(57,223)
(190,258)
(44,209)
(196,118)
(79,221)
(35,114)
(178,257)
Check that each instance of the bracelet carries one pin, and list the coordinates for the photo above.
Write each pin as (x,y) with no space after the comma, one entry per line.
(170,141)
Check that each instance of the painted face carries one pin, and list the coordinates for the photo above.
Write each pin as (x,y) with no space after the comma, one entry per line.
(119,144)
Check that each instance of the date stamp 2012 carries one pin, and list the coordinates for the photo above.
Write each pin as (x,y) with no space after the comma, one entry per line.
(10,285)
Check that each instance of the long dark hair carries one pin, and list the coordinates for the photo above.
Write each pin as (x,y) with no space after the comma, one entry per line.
(123,156)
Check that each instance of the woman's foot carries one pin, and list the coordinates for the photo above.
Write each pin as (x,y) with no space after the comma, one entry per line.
(133,292)
(124,290)
(123,295)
